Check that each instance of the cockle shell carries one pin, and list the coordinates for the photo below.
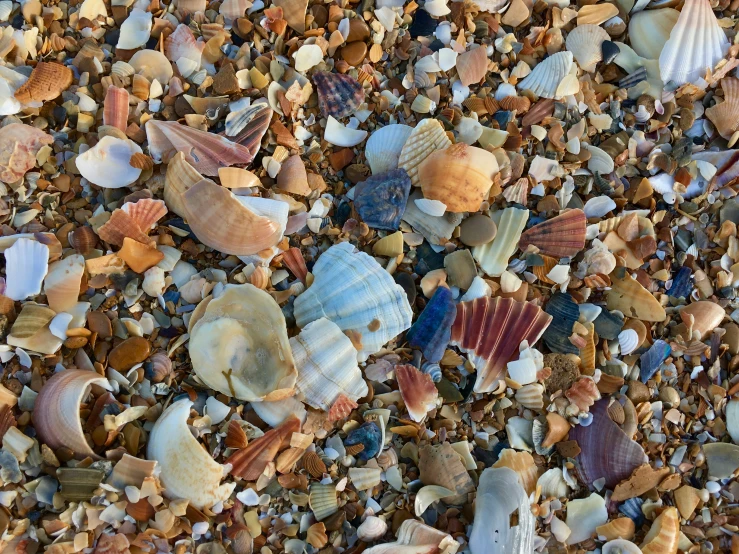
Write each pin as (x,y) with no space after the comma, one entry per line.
(323,500)
(562,236)
(499,495)
(365,478)
(417,389)
(697,43)
(491,330)
(725,116)
(460,176)
(371,528)
(584,515)
(649,30)
(493,256)
(56,416)
(182,44)
(62,282)
(415,537)
(355,292)
(115,108)
(339,95)
(553,484)
(585,42)
(250,462)
(384,146)
(26,265)
(664,534)
(19,144)
(146,212)
(327,365)
(119,227)
(187,469)
(47,81)
(240,347)
(546,77)
(107,163)
(426,137)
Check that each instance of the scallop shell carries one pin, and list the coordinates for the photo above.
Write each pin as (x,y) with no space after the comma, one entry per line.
(531,396)
(620,528)
(355,292)
(493,257)
(417,537)
(115,108)
(26,265)
(323,501)
(247,126)
(633,300)
(293,177)
(553,484)
(107,163)
(365,478)
(518,192)
(472,65)
(381,200)
(62,282)
(562,236)
(547,76)
(192,473)
(47,82)
(339,95)
(313,464)
(584,515)
(384,146)
(327,365)
(152,64)
(460,176)
(240,347)
(697,43)
(664,534)
(499,495)
(182,44)
(119,227)
(146,212)
(628,341)
(585,42)
(524,466)
(649,30)
(179,178)
(417,389)
(56,416)
(725,116)
(206,152)
(426,137)
(491,330)
(19,145)
(371,528)
(250,462)
(293,259)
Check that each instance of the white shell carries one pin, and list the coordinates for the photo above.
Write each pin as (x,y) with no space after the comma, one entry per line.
(428,495)
(584,515)
(187,469)
(493,256)
(553,484)
(433,208)
(546,77)
(437,230)
(523,371)
(620,546)
(365,478)
(355,292)
(371,529)
(340,135)
(26,264)
(307,56)
(499,494)
(152,64)
(275,412)
(384,145)
(585,42)
(327,365)
(62,283)
(135,30)
(415,537)
(90,9)
(649,30)
(107,163)
(437,8)
(697,43)
(599,160)
(154,282)
(598,206)
(628,340)
(6,8)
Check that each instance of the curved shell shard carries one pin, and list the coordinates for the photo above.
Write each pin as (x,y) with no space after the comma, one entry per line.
(107,163)
(493,256)
(649,30)
(417,389)
(415,537)
(62,282)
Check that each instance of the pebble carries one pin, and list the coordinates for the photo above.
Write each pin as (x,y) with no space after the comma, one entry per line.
(354,53)
(713,487)
(129,353)
(477,230)
(731,337)
(358,30)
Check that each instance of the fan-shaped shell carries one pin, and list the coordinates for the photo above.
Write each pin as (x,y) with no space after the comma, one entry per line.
(365,478)
(553,484)
(339,95)
(146,212)
(371,528)
(562,236)
(524,466)
(240,347)
(355,292)
(585,42)
(327,365)
(47,81)
(472,65)
(182,44)
(426,137)
(384,146)
(152,64)
(323,501)
(697,43)
(417,389)
(649,30)
(107,163)
(518,192)
(493,256)
(19,144)
(664,534)
(119,227)
(26,265)
(381,200)
(546,77)
(725,116)
(491,330)
(62,282)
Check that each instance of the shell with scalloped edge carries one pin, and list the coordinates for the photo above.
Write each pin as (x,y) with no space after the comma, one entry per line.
(585,42)
(26,265)
(384,146)
(426,137)
(562,236)
(417,389)
(725,116)
(548,75)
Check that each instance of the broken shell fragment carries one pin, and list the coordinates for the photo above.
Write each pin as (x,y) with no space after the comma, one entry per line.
(19,145)
(418,391)
(633,300)
(426,137)
(339,95)
(493,257)
(561,237)
(664,534)
(250,462)
(47,81)
(107,163)
(548,75)
(26,265)
(63,281)
(384,146)
(584,516)
(417,537)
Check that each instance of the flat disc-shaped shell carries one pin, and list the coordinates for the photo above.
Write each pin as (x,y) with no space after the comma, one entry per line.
(546,77)
(427,137)
(585,42)
(562,236)
(725,116)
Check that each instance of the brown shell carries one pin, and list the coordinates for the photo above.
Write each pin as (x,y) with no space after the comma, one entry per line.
(294,261)
(249,463)
(725,116)
(354,449)
(520,104)
(83,239)
(541,271)
(119,226)
(314,465)
(47,81)
(523,464)
(141,510)
(557,429)
(561,237)
(235,435)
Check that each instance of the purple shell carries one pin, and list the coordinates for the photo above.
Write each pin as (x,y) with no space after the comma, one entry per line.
(432,330)
(381,199)
(339,94)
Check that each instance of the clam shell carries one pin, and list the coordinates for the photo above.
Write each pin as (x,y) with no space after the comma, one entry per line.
(182,44)
(56,416)
(240,347)
(547,76)
(472,66)
(384,146)
(518,192)
(628,341)
(417,537)
(706,315)
(493,257)
(633,300)
(732,419)
(323,501)
(432,330)
(371,529)
(152,64)
(562,236)
(459,176)
(664,534)
(531,396)
(365,478)
(585,42)
(435,229)
(340,135)
(417,389)
(620,546)
(649,30)
(339,95)
(381,200)
(26,265)
(725,116)
(697,43)
(426,137)
(31,320)
(47,81)
(107,163)
(248,125)
(491,330)
(327,365)
(192,473)
(620,528)
(275,412)
(62,282)
(355,292)
(553,484)
(584,515)
(293,177)
(121,226)
(250,462)
(145,212)
(179,178)
(115,108)
(19,145)
(237,178)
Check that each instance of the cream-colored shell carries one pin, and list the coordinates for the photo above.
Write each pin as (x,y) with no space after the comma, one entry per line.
(547,76)
(62,283)
(427,137)
(585,42)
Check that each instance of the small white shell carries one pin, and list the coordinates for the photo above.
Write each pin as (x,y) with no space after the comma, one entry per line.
(365,478)
(275,412)
(383,147)
(585,42)
(107,163)
(553,484)
(154,283)
(584,515)
(437,8)
(428,495)
(135,30)
(598,206)
(90,9)
(307,56)
(433,208)
(620,546)
(547,76)
(6,8)
(62,283)
(26,264)
(599,160)
(628,340)
(371,529)
(340,135)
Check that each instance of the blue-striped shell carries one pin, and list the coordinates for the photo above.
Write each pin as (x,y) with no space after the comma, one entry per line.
(432,330)
(565,313)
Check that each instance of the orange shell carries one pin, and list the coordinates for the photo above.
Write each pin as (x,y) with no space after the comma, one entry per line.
(293,177)
(664,535)
(557,429)
(725,116)
(314,465)
(417,389)
(235,436)
(119,226)
(621,528)
(523,464)
(583,393)
(249,463)
(47,81)
(146,212)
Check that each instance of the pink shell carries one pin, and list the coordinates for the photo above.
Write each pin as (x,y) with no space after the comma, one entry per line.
(115,108)
(294,261)
(417,389)
(561,237)
(341,408)
(146,212)
(583,392)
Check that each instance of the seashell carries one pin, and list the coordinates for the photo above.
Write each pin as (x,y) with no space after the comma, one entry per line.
(432,330)
(596,14)
(152,64)
(107,163)
(192,473)
(254,224)
(460,176)
(531,396)
(706,315)
(293,177)
(518,192)
(237,178)
(235,435)
(523,464)
(275,412)
(341,274)
(472,66)
(441,465)
(493,256)
(293,11)
(158,367)
(585,42)
(248,125)
(696,44)
(562,236)
(19,144)
(620,546)
(145,212)
(381,200)
(649,30)
(206,152)
(250,462)
(339,95)
(365,478)
(630,298)
(553,484)
(722,459)
(583,393)
(182,44)
(499,495)
(240,347)
(417,389)
(435,229)
(389,246)
(119,227)
(371,528)
(605,450)
(415,536)
(180,177)
(664,534)
(725,116)
(547,76)
(384,146)
(31,320)
(584,515)
(140,87)
(340,135)
(26,265)
(294,261)
(313,464)
(557,429)
(115,108)
(628,341)
(62,283)
(370,436)
(565,313)
(135,30)
(426,137)
(56,416)
(79,483)
(620,528)
(83,239)
(428,495)
(327,365)
(491,330)
(423,104)
(323,501)
(47,82)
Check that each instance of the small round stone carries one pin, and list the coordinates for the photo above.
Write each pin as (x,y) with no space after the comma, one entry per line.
(358,30)
(129,353)
(354,53)
(477,230)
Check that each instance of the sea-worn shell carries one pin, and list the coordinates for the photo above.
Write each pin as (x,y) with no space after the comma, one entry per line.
(620,528)
(523,464)
(664,534)
(31,320)
(584,515)
(545,79)
(180,177)
(562,236)
(553,484)
(355,292)
(441,465)
(491,330)
(182,44)
(339,94)
(47,81)
(722,459)
(583,393)
(493,257)
(371,528)
(62,282)
(432,330)
(585,42)
(384,146)
(565,313)
(382,198)
(725,116)
(293,11)
(435,229)
(365,478)
(417,389)
(135,30)
(472,65)
(107,163)
(19,144)
(247,126)
(417,537)
(26,265)
(341,135)
(115,108)
(706,316)
(426,137)
(323,501)
(649,30)
(152,64)
(121,226)
(250,462)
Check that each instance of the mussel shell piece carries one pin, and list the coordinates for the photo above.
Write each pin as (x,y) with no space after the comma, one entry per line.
(381,199)
(432,330)
(652,359)
(564,312)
